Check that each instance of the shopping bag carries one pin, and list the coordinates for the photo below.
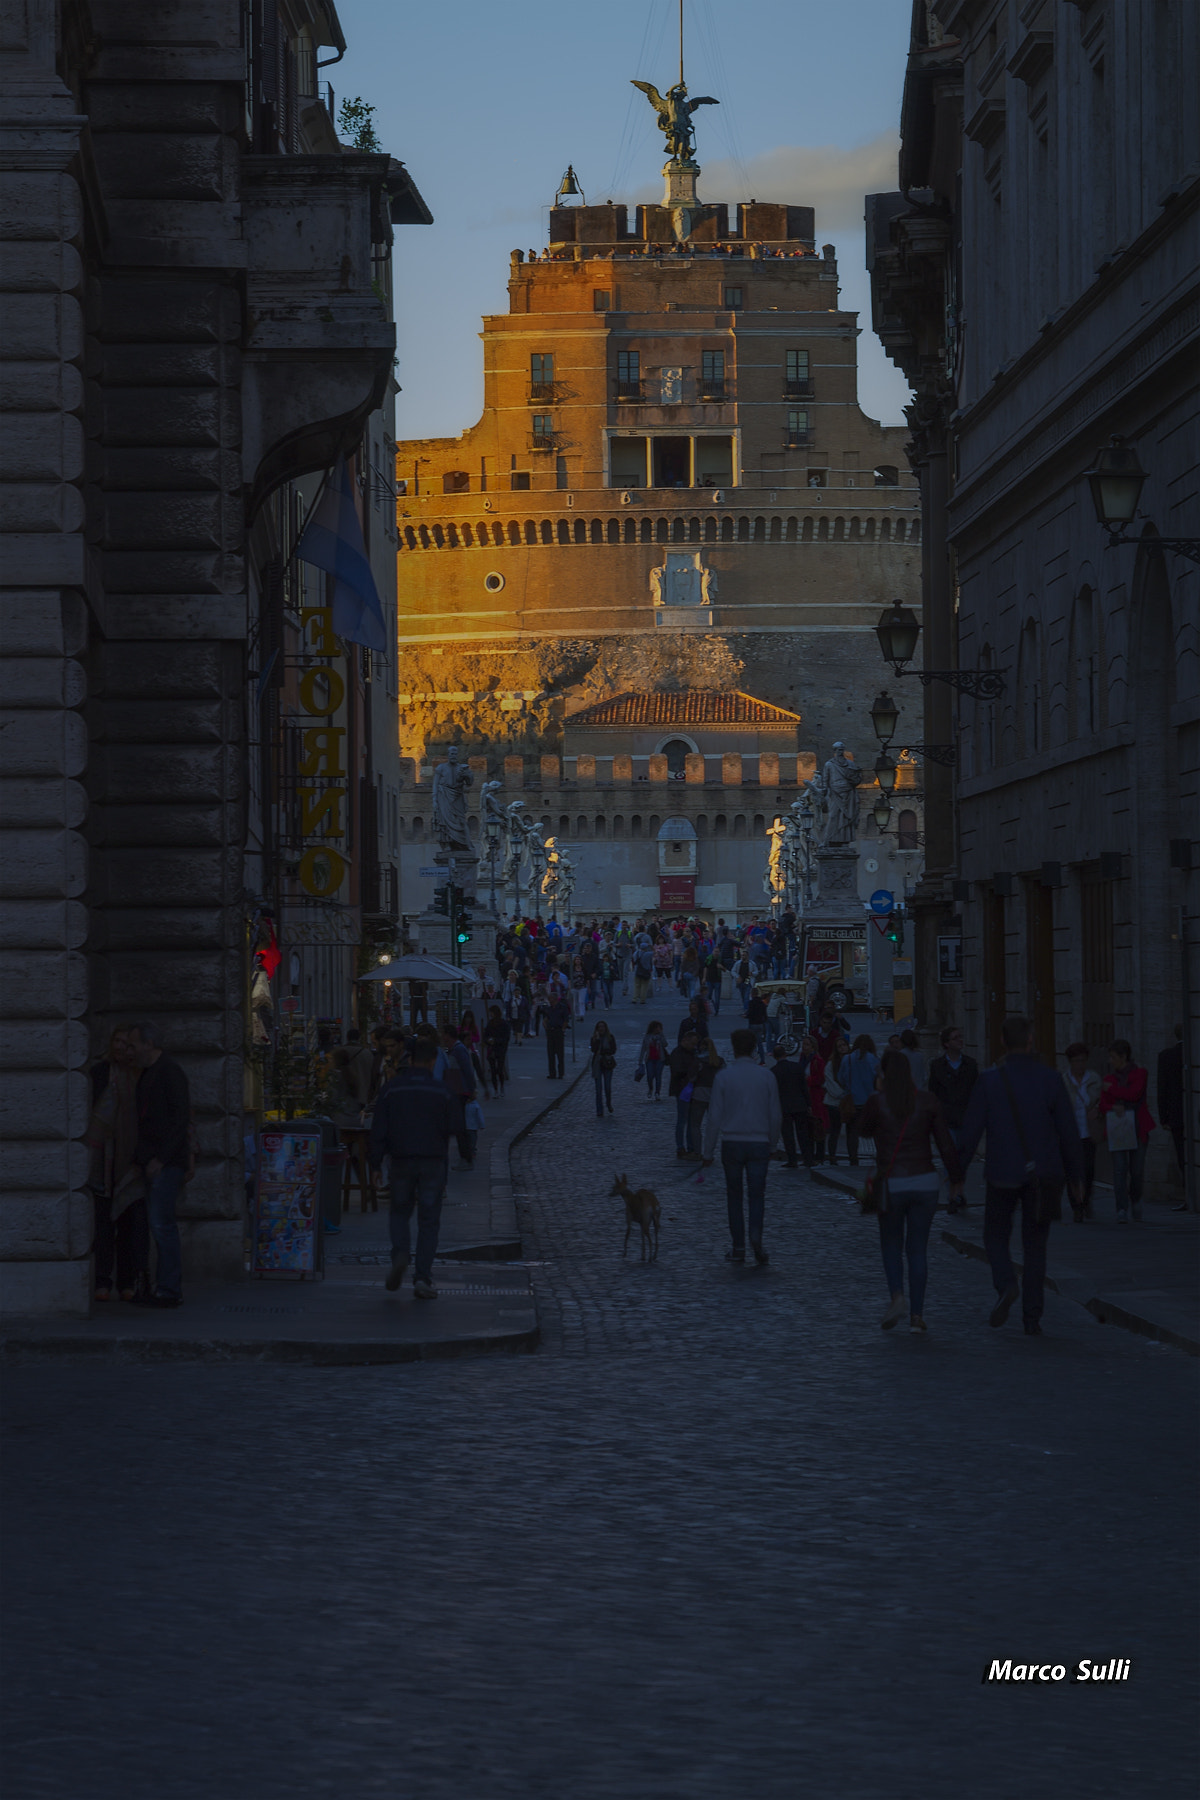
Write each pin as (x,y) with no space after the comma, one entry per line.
(1122,1130)
(474,1116)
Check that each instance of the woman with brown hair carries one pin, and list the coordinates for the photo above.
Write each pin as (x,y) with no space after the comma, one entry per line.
(906,1122)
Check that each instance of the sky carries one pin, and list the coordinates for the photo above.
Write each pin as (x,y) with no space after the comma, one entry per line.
(487,105)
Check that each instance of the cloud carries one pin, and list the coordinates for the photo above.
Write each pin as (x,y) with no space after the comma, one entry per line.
(826,177)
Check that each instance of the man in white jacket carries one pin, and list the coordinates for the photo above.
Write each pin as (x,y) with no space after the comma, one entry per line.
(745,1114)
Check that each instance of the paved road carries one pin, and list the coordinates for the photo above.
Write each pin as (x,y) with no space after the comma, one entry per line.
(720,1537)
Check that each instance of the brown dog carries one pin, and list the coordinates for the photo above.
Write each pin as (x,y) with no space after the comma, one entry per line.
(641,1209)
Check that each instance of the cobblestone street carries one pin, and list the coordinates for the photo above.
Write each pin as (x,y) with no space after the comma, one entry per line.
(719,1536)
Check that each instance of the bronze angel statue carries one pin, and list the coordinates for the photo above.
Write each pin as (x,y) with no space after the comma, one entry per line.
(675,116)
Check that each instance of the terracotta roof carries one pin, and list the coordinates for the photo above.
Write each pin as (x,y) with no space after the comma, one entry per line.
(690,707)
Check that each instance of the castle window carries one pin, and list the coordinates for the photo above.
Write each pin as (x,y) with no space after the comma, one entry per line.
(816,478)
(712,375)
(733,299)
(796,379)
(906,831)
(797,428)
(887,475)
(456,481)
(541,377)
(581,531)
(520,480)
(543,431)
(629,375)
(601,299)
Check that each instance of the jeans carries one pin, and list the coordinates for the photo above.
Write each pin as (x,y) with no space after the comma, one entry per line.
(641,989)
(687,986)
(836,1122)
(654,1075)
(466,1141)
(683,1125)
(760,1038)
(554,1049)
(998,1210)
(417,1181)
(714,996)
(603,1081)
(797,1134)
(904,1232)
(745,989)
(160,1208)
(606,985)
(1128,1167)
(1088,1147)
(740,1157)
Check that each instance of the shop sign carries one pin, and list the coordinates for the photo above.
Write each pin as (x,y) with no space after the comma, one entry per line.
(676,893)
(949,959)
(321,763)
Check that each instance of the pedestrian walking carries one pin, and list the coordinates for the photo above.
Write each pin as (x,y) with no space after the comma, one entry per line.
(859,1075)
(745,1117)
(121,1247)
(1128,1123)
(495,1043)
(1083,1090)
(1032,1150)
(603,1049)
(911,1046)
(756,1023)
(161,1153)
(558,1017)
(794,1103)
(652,1058)
(814,995)
(459,1078)
(813,1064)
(684,1065)
(643,971)
(838,1104)
(412,1125)
(711,1062)
(906,1122)
(952,1077)
(714,975)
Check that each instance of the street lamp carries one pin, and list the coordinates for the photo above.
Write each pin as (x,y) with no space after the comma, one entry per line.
(881,812)
(492,829)
(885,716)
(898,630)
(885,773)
(1116,479)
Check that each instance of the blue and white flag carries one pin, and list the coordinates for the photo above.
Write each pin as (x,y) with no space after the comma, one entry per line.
(332,540)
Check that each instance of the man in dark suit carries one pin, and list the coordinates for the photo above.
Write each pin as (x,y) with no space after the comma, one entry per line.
(1032,1151)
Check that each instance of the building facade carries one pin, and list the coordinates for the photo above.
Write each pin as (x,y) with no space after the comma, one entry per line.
(195,325)
(1036,278)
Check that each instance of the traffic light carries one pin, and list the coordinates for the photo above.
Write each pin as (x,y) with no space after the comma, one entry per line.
(463,934)
(441,900)
(895,929)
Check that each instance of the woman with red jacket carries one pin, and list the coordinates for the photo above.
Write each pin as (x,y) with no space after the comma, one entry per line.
(1128,1123)
(905,1122)
(813,1064)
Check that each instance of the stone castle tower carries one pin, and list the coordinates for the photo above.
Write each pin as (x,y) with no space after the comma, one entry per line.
(672,486)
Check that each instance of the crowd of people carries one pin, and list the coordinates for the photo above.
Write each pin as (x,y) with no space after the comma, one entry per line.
(801,1087)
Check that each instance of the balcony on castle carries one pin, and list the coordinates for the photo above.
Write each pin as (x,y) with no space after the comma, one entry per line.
(629,390)
(797,390)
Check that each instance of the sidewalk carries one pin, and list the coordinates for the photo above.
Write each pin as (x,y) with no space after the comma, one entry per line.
(1144,1275)
(485,1298)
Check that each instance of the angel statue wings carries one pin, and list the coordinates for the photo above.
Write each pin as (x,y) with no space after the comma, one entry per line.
(675,116)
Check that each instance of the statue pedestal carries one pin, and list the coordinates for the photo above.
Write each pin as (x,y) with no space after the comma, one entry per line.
(837,884)
(680,179)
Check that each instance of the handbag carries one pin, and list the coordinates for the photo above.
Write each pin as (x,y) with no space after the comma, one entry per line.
(1121,1132)
(685,1093)
(872,1195)
(639,1074)
(847,1110)
(473,1114)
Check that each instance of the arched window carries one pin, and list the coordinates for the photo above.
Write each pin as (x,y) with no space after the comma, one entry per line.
(854,528)
(760,530)
(693,531)
(869,531)
(662,531)
(618,825)
(564,531)
(498,534)
(808,531)
(710,529)
(720,826)
(564,826)
(885,531)
(906,830)
(678,530)
(597,531)
(452,536)
(614,531)
(652,827)
(676,751)
(581,531)
(530,532)
(898,534)
(701,825)
(547,532)
(631,531)
(914,532)
(839,530)
(468,536)
(418,826)
(635,825)
(790,531)
(514,532)
(1029,689)
(439,537)
(1085,665)
(581,827)
(598,825)
(727,530)
(410,537)
(646,532)
(739,825)
(743,530)
(776,530)
(760,825)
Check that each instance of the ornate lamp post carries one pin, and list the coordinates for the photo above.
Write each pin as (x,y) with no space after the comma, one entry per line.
(492,831)
(898,630)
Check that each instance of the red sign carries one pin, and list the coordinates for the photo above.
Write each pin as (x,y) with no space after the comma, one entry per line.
(676,893)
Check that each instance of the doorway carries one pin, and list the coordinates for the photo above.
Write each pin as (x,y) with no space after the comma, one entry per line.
(672,462)
(1039,967)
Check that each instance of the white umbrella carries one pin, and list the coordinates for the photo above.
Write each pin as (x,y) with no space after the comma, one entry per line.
(419,968)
